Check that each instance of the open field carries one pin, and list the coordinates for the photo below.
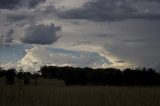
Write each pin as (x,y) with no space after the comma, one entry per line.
(55,93)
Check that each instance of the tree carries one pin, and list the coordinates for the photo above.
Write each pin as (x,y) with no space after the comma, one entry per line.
(35,77)
(2,72)
(26,78)
(10,75)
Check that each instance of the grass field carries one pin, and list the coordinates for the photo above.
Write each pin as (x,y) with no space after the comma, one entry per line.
(55,93)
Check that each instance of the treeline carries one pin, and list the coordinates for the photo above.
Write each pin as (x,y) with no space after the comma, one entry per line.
(86,76)
(12,73)
(109,76)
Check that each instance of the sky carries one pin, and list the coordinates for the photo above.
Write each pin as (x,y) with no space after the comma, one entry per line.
(80,33)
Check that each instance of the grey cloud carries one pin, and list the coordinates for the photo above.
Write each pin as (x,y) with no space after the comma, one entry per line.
(20,17)
(156,66)
(1,39)
(109,10)
(9,36)
(103,35)
(41,34)
(6,37)
(148,0)
(10,4)
(120,61)
(83,42)
(25,16)
(33,3)
(50,9)
(142,41)
(15,17)
(142,55)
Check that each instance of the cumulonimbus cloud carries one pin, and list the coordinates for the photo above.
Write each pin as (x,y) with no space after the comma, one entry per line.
(39,56)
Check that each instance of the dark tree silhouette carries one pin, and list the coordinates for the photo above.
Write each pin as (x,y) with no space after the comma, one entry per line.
(10,75)
(35,77)
(26,78)
(2,72)
(88,76)
(109,76)
(48,72)
(20,75)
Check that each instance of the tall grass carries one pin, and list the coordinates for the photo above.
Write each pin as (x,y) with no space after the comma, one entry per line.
(61,95)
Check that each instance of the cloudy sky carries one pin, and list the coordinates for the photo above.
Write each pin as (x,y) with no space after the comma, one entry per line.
(80,33)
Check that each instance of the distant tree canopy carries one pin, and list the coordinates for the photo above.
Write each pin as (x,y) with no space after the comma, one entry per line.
(109,76)
(88,76)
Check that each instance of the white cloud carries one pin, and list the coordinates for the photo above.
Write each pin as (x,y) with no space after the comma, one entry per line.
(39,56)
(104,53)
(9,65)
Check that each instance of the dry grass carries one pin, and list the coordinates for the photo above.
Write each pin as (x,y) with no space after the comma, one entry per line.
(54,93)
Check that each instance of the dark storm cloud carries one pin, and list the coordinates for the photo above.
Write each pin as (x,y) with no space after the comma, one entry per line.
(41,34)
(10,4)
(109,10)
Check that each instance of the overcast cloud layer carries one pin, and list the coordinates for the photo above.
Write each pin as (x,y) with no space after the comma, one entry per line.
(125,33)
(112,10)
